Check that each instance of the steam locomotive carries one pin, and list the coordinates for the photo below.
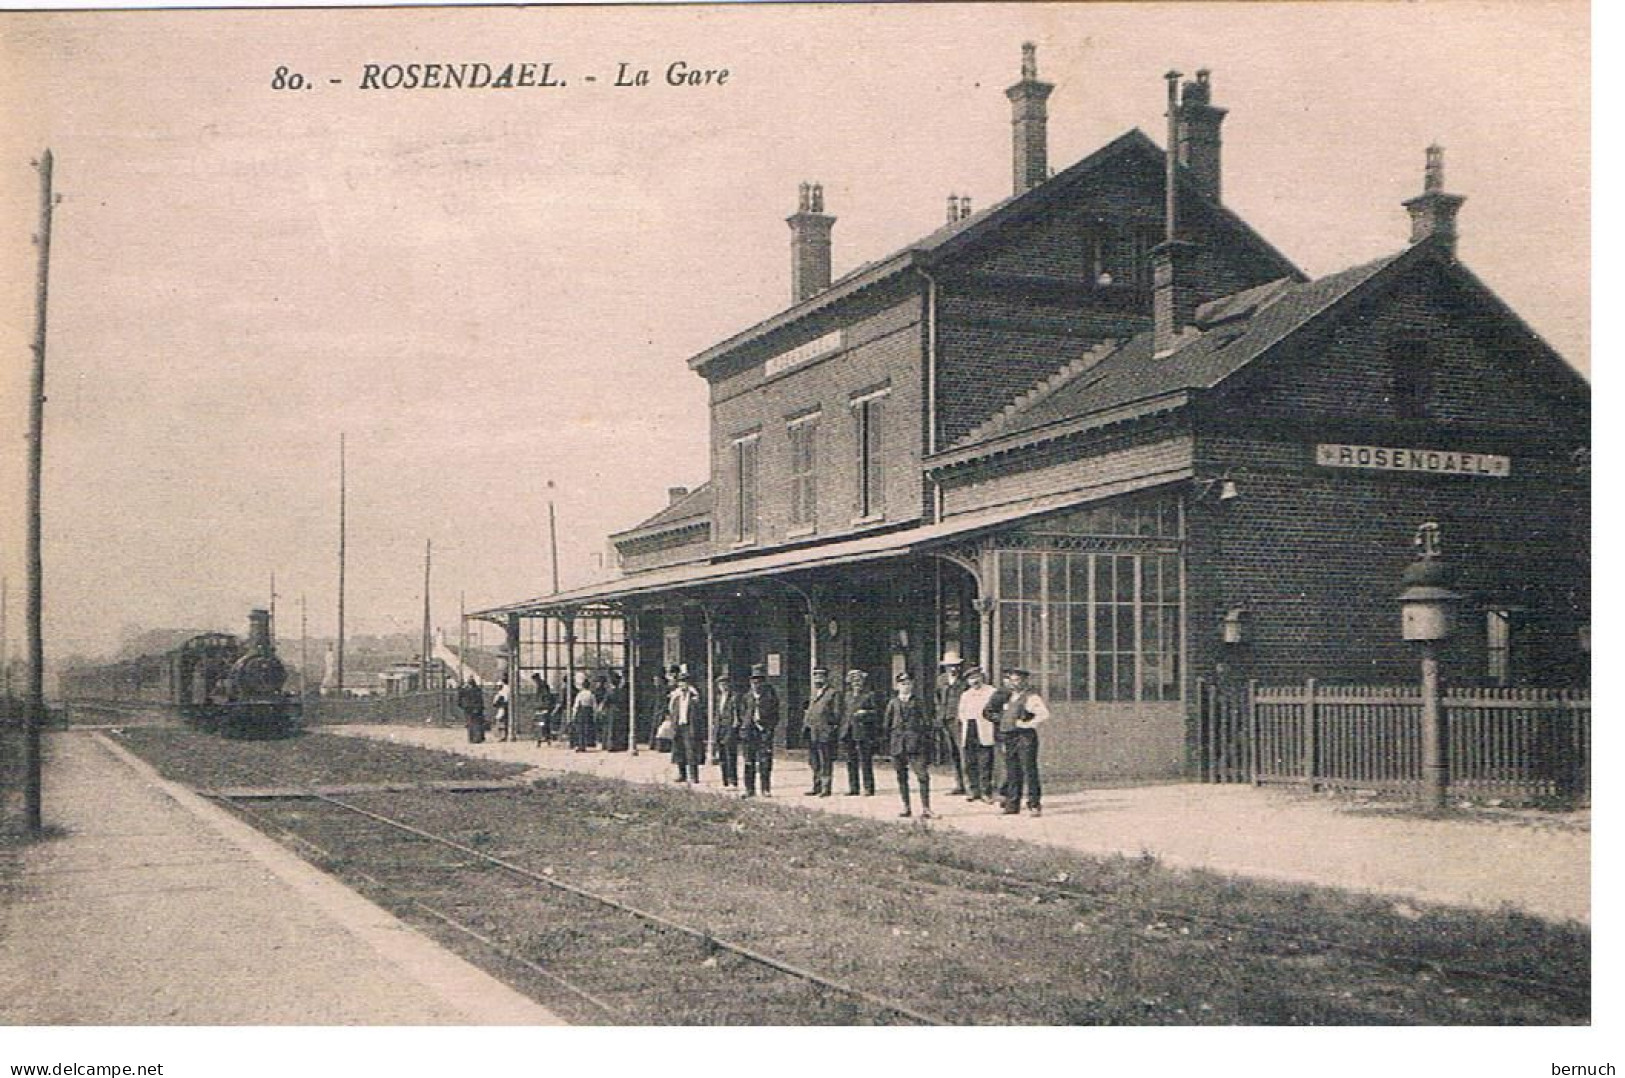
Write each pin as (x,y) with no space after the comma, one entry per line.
(225,686)
(214,682)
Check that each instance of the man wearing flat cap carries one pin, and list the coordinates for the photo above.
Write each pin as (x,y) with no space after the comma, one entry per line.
(757,720)
(860,729)
(822,724)
(911,732)
(725,731)
(1018,723)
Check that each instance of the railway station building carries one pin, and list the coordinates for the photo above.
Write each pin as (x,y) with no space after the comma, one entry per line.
(1103,430)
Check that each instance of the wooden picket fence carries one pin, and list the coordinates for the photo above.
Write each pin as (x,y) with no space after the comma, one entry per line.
(1512,744)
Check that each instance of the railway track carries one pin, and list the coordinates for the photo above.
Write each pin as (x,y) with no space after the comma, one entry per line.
(592,955)
(564,942)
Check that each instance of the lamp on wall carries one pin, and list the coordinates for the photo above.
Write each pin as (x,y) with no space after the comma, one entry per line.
(1217,488)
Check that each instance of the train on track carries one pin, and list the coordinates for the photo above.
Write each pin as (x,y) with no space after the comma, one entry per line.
(214,682)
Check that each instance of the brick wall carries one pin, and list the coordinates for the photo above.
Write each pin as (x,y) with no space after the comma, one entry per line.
(883,348)
(692,543)
(1031,300)
(1315,553)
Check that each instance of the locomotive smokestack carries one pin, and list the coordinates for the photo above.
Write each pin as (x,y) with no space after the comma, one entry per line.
(259,630)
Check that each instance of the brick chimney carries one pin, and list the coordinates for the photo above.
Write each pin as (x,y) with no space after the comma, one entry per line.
(675,495)
(1173,297)
(810,227)
(1433,213)
(1029,118)
(1199,141)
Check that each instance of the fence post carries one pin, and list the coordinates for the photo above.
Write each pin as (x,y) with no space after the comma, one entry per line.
(1252,730)
(1311,732)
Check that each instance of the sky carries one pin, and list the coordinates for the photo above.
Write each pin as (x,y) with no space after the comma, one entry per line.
(484,291)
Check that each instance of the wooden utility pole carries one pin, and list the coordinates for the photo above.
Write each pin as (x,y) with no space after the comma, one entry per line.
(339,665)
(553,536)
(5,660)
(272,624)
(423,672)
(35,715)
(304,655)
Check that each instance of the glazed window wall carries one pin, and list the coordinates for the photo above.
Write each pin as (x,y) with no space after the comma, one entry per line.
(600,646)
(1094,605)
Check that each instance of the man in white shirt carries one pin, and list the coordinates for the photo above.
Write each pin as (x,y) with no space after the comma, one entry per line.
(975,734)
(1018,724)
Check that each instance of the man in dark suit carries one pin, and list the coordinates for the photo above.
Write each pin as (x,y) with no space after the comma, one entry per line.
(860,729)
(823,726)
(911,733)
(758,720)
(950,686)
(725,731)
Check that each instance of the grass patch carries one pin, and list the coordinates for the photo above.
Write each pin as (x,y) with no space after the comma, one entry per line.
(307,759)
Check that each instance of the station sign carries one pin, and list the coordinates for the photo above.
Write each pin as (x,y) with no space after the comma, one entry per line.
(806,353)
(1387,458)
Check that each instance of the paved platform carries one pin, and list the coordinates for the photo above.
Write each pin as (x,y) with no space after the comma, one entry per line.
(155,907)
(1539,864)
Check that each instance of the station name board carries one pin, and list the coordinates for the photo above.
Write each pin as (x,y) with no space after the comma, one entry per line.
(805,353)
(1387,458)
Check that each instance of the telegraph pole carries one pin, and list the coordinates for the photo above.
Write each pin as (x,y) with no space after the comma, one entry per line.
(423,670)
(339,667)
(304,655)
(272,611)
(5,660)
(553,536)
(35,714)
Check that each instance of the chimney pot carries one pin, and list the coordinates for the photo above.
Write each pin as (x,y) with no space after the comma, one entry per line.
(1199,139)
(953,208)
(1029,120)
(1433,212)
(675,495)
(810,229)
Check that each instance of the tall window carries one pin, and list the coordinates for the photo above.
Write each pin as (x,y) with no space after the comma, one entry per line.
(1092,626)
(870,412)
(1498,646)
(745,487)
(803,473)
(1412,365)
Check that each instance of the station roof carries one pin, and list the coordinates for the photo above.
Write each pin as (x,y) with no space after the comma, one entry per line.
(891,544)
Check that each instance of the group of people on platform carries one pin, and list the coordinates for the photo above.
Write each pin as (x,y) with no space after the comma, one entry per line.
(969,715)
(591,714)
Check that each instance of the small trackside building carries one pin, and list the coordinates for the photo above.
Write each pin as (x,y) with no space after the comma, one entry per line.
(1105,431)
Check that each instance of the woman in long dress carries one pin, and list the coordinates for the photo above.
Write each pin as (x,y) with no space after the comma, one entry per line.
(582,715)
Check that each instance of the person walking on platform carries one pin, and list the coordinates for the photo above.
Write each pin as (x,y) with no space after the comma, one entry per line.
(725,732)
(911,733)
(544,709)
(975,734)
(1019,722)
(822,725)
(758,720)
(950,684)
(686,710)
(860,729)
(471,699)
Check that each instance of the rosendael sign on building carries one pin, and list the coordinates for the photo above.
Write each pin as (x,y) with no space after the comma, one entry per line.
(1387,458)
